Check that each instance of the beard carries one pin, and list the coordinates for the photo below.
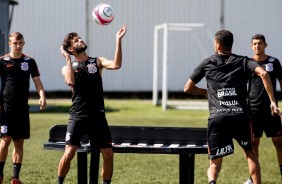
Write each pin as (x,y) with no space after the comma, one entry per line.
(81,49)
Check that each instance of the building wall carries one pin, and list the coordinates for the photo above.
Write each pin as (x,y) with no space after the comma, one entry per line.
(4,25)
(45,23)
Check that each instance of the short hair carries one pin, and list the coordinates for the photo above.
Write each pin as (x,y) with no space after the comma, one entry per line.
(67,41)
(17,35)
(259,37)
(225,39)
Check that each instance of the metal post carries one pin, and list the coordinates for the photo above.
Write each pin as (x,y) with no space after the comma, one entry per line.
(155,67)
(186,168)
(82,167)
(164,89)
(94,167)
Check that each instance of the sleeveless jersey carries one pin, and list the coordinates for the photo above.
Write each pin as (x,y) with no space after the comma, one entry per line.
(226,77)
(87,93)
(259,99)
(15,75)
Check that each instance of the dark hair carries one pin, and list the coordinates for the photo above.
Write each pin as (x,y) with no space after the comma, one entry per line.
(17,35)
(225,39)
(67,41)
(259,37)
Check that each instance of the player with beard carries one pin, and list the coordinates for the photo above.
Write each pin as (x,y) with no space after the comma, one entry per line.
(87,113)
(227,75)
(262,119)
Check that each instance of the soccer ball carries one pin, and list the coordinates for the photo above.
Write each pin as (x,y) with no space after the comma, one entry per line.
(103,14)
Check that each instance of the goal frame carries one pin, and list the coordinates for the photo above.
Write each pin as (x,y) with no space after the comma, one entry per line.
(166,27)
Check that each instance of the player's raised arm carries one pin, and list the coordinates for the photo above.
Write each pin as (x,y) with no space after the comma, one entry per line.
(67,70)
(117,61)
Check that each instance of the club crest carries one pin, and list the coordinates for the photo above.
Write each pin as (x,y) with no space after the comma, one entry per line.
(24,66)
(269,67)
(92,68)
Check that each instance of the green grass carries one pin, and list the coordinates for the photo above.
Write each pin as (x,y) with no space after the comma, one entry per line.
(40,166)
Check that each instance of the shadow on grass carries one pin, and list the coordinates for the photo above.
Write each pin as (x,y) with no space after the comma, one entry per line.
(60,109)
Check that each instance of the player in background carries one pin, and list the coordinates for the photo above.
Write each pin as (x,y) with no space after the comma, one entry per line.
(227,75)
(15,71)
(87,113)
(262,119)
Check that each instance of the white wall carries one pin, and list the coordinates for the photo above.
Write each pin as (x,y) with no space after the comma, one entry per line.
(45,23)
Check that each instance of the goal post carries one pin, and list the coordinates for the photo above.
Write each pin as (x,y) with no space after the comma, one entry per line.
(166,27)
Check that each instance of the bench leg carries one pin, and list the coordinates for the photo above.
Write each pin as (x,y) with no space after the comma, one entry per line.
(81,167)
(186,168)
(94,167)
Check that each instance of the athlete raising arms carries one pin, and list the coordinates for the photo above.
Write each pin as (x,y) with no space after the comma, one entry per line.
(87,113)
(226,76)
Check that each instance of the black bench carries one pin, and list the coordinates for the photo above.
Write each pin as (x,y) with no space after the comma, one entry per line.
(186,142)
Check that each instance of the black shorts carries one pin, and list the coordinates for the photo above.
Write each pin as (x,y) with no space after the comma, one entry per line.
(96,127)
(264,121)
(15,122)
(222,130)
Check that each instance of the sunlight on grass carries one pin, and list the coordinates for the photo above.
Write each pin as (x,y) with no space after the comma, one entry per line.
(40,166)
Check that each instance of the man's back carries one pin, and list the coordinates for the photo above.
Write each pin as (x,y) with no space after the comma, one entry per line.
(226,77)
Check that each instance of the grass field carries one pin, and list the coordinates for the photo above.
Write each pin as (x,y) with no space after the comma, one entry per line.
(40,166)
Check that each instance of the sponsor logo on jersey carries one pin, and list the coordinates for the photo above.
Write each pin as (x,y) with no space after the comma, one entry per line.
(4,129)
(224,151)
(226,92)
(269,67)
(68,136)
(271,59)
(9,65)
(92,68)
(24,66)
(229,103)
(234,110)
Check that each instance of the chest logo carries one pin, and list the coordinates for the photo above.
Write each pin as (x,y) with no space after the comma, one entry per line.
(92,68)
(269,67)
(24,66)
(9,65)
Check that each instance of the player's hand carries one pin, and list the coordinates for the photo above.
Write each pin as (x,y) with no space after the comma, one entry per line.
(121,32)
(42,103)
(275,109)
(64,53)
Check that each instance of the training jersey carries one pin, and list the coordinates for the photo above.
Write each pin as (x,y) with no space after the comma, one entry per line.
(259,99)
(226,77)
(87,92)
(15,76)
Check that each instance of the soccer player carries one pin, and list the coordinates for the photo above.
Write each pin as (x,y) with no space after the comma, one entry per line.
(262,119)
(15,71)
(87,113)
(227,75)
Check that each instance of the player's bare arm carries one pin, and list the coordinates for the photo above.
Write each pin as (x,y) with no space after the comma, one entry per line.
(117,61)
(269,89)
(191,88)
(67,70)
(40,90)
